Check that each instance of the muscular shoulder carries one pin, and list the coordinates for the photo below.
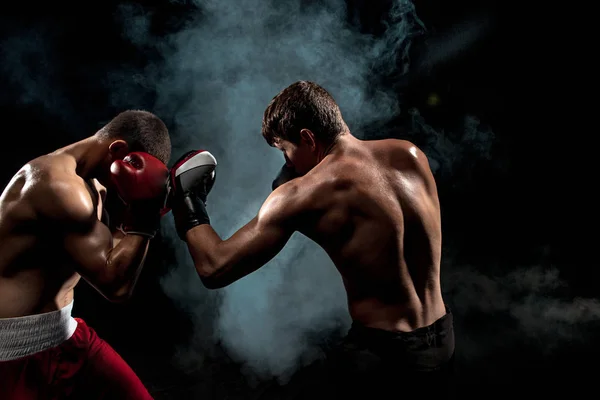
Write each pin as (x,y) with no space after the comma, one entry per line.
(312,192)
(401,154)
(407,158)
(67,199)
(291,200)
(59,194)
(415,180)
(281,203)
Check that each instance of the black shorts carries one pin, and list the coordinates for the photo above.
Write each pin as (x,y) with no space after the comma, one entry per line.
(373,363)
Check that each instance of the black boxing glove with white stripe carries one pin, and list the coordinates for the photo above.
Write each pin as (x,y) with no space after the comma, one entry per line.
(192,178)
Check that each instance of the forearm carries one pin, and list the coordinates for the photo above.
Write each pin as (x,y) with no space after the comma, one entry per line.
(222,262)
(124,264)
(130,242)
(218,262)
(203,244)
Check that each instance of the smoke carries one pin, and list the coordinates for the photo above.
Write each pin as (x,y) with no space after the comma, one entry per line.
(453,42)
(503,309)
(214,80)
(29,64)
(448,150)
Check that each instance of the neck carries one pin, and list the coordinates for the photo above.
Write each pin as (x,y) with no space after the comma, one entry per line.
(88,154)
(336,145)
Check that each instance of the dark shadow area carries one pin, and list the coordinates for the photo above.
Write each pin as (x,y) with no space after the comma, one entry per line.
(476,60)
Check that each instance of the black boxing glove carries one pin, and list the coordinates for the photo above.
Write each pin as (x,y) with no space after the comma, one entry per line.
(191,179)
(286,174)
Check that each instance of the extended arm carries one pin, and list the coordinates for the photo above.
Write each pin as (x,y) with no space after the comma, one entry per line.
(222,262)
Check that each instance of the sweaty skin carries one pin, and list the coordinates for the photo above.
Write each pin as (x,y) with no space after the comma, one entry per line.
(51,235)
(373,207)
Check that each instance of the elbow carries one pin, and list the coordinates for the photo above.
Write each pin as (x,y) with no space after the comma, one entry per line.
(211,275)
(223,275)
(212,282)
(216,272)
(118,296)
(117,299)
(213,278)
(120,280)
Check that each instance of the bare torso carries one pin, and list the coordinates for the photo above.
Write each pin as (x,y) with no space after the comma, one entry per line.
(375,211)
(35,276)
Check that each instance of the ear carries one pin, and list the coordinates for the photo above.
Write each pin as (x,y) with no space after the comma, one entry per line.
(309,138)
(118,149)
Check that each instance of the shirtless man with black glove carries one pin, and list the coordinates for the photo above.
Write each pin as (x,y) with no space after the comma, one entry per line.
(373,207)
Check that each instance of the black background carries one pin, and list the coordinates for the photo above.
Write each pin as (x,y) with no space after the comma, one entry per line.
(495,212)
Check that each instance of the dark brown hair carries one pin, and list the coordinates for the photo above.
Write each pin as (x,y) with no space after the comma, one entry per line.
(302,105)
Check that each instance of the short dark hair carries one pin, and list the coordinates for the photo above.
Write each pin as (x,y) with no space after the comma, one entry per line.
(142,130)
(302,105)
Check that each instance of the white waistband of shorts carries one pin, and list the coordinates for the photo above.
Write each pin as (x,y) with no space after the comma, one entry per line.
(23,336)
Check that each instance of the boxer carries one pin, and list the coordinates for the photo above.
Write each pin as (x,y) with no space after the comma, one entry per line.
(373,207)
(53,231)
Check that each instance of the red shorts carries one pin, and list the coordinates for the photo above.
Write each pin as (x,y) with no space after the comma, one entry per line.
(83,367)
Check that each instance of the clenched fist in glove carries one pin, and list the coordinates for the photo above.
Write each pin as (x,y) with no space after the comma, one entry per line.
(141,182)
(192,178)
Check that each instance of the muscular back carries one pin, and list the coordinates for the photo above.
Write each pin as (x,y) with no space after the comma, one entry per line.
(35,275)
(374,209)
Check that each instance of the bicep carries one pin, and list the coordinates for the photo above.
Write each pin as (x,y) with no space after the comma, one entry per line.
(222,262)
(69,206)
(270,230)
(88,249)
(257,242)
